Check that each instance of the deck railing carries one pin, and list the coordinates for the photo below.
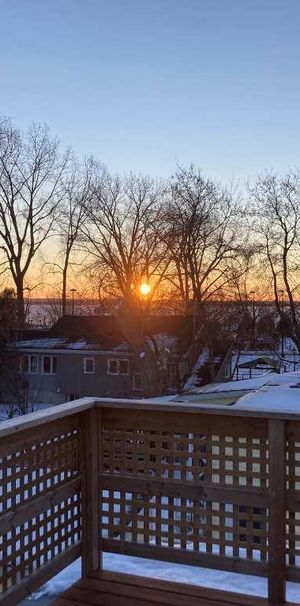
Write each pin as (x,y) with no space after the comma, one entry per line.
(209,486)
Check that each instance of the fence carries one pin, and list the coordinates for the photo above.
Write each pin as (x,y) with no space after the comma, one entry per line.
(213,487)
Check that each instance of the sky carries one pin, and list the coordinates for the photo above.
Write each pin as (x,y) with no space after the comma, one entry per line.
(144,85)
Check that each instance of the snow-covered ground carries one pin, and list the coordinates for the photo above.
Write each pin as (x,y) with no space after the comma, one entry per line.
(180,573)
(5,409)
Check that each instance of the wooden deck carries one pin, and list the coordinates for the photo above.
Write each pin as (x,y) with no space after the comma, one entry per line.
(114,589)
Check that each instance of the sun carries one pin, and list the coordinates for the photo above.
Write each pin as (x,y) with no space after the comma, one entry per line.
(145,289)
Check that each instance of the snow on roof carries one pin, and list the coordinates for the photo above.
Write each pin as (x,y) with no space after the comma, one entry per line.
(285,397)
(81,344)
(65,344)
(260,361)
(268,392)
(122,347)
(43,343)
(244,384)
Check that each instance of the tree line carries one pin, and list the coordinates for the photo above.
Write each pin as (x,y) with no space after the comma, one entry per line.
(192,238)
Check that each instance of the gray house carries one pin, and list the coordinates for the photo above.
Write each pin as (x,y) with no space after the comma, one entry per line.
(90,356)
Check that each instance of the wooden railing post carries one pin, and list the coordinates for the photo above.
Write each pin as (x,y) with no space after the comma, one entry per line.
(90,492)
(277,522)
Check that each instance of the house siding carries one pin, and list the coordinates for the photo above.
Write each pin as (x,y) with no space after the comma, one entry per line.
(70,381)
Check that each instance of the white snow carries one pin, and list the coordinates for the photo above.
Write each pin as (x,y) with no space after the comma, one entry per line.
(161,398)
(242,385)
(272,398)
(268,392)
(181,573)
(43,343)
(192,380)
(81,344)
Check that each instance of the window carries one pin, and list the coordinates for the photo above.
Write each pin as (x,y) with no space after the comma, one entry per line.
(137,382)
(112,367)
(88,366)
(49,365)
(123,367)
(30,364)
(117,367)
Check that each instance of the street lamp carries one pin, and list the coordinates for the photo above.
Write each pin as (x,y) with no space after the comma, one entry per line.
(252,292)
(281,295)
(73,290)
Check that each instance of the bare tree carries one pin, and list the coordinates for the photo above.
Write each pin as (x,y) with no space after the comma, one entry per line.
(200,228)
(13,380)
(77,191)
(121,233)
(276,210)
(31,171)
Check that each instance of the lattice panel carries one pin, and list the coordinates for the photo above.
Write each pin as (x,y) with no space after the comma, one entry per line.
(293,537)
(39,465)
(293,487)
(38,540)
(189,457)
(40,498)
(161,461)
(293,463)
(180,523)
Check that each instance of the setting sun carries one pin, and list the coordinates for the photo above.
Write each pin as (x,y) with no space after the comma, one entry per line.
(145,289)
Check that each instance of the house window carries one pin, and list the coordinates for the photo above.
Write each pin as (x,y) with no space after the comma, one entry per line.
(30,364)
(123,367)
(49,365)
(137,382)
(117,367)
(88,366)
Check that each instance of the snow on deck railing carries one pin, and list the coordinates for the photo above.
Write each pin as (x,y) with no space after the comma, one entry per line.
(203,485)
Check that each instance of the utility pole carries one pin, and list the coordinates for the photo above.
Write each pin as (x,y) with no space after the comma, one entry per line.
(281,294)
(252,292)
(73,290)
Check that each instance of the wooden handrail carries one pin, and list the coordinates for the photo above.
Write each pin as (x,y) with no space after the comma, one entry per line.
(59,411)
(36,419)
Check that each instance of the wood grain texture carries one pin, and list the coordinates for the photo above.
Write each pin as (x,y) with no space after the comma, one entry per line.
(114,589)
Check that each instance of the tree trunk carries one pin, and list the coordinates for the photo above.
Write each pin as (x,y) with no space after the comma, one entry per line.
(64,292)
(20,302)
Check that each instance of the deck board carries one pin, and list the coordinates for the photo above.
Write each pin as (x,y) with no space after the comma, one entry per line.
(116,589)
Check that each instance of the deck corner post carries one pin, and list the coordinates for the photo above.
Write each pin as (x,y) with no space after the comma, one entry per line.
(91,549)
(277,522)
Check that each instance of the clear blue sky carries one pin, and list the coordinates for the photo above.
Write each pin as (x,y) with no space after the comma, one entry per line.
(146,84)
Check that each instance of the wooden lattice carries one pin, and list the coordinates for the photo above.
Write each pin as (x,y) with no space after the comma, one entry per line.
(217,489)
(190,457)
(185,483)
(293,493)
(40,511)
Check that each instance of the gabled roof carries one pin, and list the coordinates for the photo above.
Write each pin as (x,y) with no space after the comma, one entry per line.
(259,362)
(103,333)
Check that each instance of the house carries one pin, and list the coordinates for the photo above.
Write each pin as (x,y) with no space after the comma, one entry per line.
(91,356)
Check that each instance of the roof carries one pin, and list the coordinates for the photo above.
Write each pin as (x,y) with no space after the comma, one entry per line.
(103,333)
(256,362)
(267,392)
